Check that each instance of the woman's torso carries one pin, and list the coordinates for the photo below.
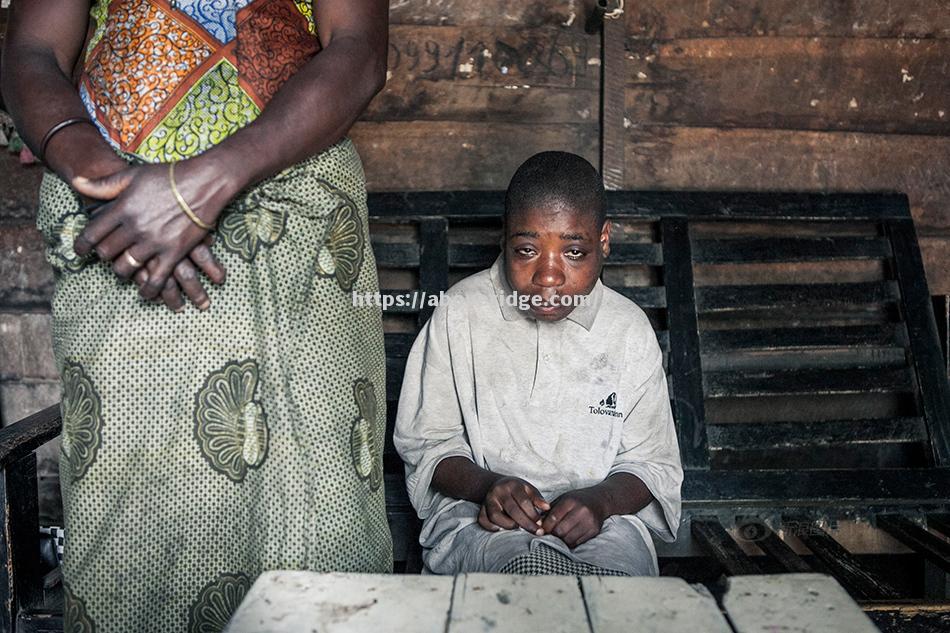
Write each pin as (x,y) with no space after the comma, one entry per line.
(167,79)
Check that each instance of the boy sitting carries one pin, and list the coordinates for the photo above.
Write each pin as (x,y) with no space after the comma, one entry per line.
(537,433)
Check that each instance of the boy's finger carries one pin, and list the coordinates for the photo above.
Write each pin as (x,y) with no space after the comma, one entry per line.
(580,534)
(485,523)
(552,519)
(513,510)
(526,503)
(537,500)
(498,516)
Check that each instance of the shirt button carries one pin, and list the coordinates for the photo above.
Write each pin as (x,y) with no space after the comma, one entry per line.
(547,357)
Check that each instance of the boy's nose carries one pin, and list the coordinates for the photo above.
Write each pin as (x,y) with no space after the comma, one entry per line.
(548,275)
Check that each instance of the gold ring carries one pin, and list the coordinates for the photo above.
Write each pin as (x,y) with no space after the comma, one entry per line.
(132,261)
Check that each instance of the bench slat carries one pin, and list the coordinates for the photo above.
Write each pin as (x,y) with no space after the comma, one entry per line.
(396,254)
(794,296)
(645,296)
(776,338)
(722,384)
(773,435)
(791,249)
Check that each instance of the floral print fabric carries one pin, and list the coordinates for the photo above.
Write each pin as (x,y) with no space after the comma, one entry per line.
(202,448)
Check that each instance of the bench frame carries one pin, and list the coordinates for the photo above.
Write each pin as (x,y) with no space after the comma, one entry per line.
(721,493)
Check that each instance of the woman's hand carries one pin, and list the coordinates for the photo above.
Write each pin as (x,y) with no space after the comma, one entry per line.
(512,503)
(148,236)
(576,516)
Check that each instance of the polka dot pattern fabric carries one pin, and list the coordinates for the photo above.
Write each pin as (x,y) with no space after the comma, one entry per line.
(202,448)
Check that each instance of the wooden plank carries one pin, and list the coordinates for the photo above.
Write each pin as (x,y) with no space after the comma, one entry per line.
(836,488)
(668,19)
(396,255)
(714,539)
(812,358)
(775,435)
(22,438)
(477,73)
(800,296)
(882,85)
(713,159)
(803,337)
(433,260)
(23,527)
(799,603)
(789,249)
(749,205)
(860,582)
(723,384)
(398,344)
(531,13)
(502,603)
(931,547)
(758,532)
(686,390)
(662,605)
(613,70)
(635,253)
(294,601)
(645,297)
(910,618)
(473,255)
(422,155)
(918,313)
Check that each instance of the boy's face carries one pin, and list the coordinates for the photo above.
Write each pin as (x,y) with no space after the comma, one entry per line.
(554,251)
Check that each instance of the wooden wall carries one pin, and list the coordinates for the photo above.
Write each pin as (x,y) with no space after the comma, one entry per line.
(794,94)
(477,87)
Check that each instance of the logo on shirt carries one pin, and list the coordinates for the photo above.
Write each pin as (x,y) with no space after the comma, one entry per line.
(607,406)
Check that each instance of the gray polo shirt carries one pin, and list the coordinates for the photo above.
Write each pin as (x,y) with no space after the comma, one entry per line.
(560,404)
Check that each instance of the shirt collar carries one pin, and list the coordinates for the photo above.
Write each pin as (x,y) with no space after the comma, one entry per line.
(584,314)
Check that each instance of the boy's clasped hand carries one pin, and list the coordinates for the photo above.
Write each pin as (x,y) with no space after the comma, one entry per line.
(575,517)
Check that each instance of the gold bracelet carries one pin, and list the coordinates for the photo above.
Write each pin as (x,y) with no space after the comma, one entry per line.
(181,201)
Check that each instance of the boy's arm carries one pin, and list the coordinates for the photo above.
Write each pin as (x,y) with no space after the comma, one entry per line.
(506,502)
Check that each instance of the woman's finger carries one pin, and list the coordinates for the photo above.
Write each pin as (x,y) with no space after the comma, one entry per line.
(187,277)
(205,260)
(105,188)
(102,223)
(171,295)
(159,270)
(126,264)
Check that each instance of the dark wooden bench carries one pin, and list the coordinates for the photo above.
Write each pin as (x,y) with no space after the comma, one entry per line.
(805,373)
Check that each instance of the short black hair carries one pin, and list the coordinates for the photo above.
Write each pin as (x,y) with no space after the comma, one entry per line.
(557,178)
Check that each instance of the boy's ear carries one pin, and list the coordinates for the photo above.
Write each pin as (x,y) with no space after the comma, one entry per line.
(605,238)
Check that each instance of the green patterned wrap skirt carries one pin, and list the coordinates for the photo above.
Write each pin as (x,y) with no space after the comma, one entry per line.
(202,448)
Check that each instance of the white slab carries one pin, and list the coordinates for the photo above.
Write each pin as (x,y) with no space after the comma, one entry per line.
(517,604)
(650,605)
(305,602)
(793,603)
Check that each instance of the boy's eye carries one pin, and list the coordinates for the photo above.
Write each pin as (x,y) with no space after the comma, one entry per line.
(575,253)
(525,251)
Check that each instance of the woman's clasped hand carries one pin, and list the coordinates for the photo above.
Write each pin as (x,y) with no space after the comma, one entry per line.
(151,235)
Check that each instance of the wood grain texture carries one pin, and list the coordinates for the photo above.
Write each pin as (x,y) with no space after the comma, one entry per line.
(483,73)
(795,603)
(709,158)
(866,85)
(294,601)
(668,19)
(662,605)
(530,13)
(502,603)
(402,156)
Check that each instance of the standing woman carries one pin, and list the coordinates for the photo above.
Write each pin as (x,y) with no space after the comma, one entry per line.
(242,432)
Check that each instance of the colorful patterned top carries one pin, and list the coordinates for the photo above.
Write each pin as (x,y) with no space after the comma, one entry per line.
(167,79)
